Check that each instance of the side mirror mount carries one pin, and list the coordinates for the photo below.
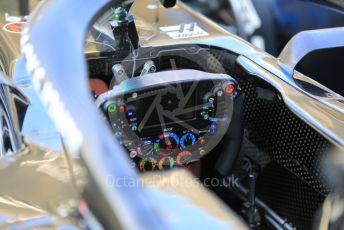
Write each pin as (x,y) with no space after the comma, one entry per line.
(305,42)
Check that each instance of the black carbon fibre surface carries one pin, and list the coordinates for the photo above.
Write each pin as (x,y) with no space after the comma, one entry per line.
(288,150)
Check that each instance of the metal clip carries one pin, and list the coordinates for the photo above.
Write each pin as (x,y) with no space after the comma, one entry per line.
(149,67)
(119,74)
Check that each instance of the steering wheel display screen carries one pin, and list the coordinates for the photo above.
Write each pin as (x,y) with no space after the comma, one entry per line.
(174,123)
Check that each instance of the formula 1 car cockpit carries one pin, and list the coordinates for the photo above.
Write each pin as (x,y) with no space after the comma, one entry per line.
(166,119)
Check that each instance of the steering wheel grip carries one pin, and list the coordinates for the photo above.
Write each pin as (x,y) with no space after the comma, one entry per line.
(232,139)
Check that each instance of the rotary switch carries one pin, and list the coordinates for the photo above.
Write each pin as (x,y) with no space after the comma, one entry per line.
(169,102)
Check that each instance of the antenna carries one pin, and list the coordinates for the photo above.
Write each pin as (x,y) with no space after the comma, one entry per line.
(168,3)
(24,7)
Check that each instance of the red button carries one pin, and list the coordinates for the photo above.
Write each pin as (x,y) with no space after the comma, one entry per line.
(230,89)
(202,141)
(122,109)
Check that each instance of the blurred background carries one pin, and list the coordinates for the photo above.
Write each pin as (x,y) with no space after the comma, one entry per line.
(270,24)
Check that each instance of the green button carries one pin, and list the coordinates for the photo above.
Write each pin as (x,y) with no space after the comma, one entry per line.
(206,116)
(112,108)
(171,162)
(119,13)
(156,147)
